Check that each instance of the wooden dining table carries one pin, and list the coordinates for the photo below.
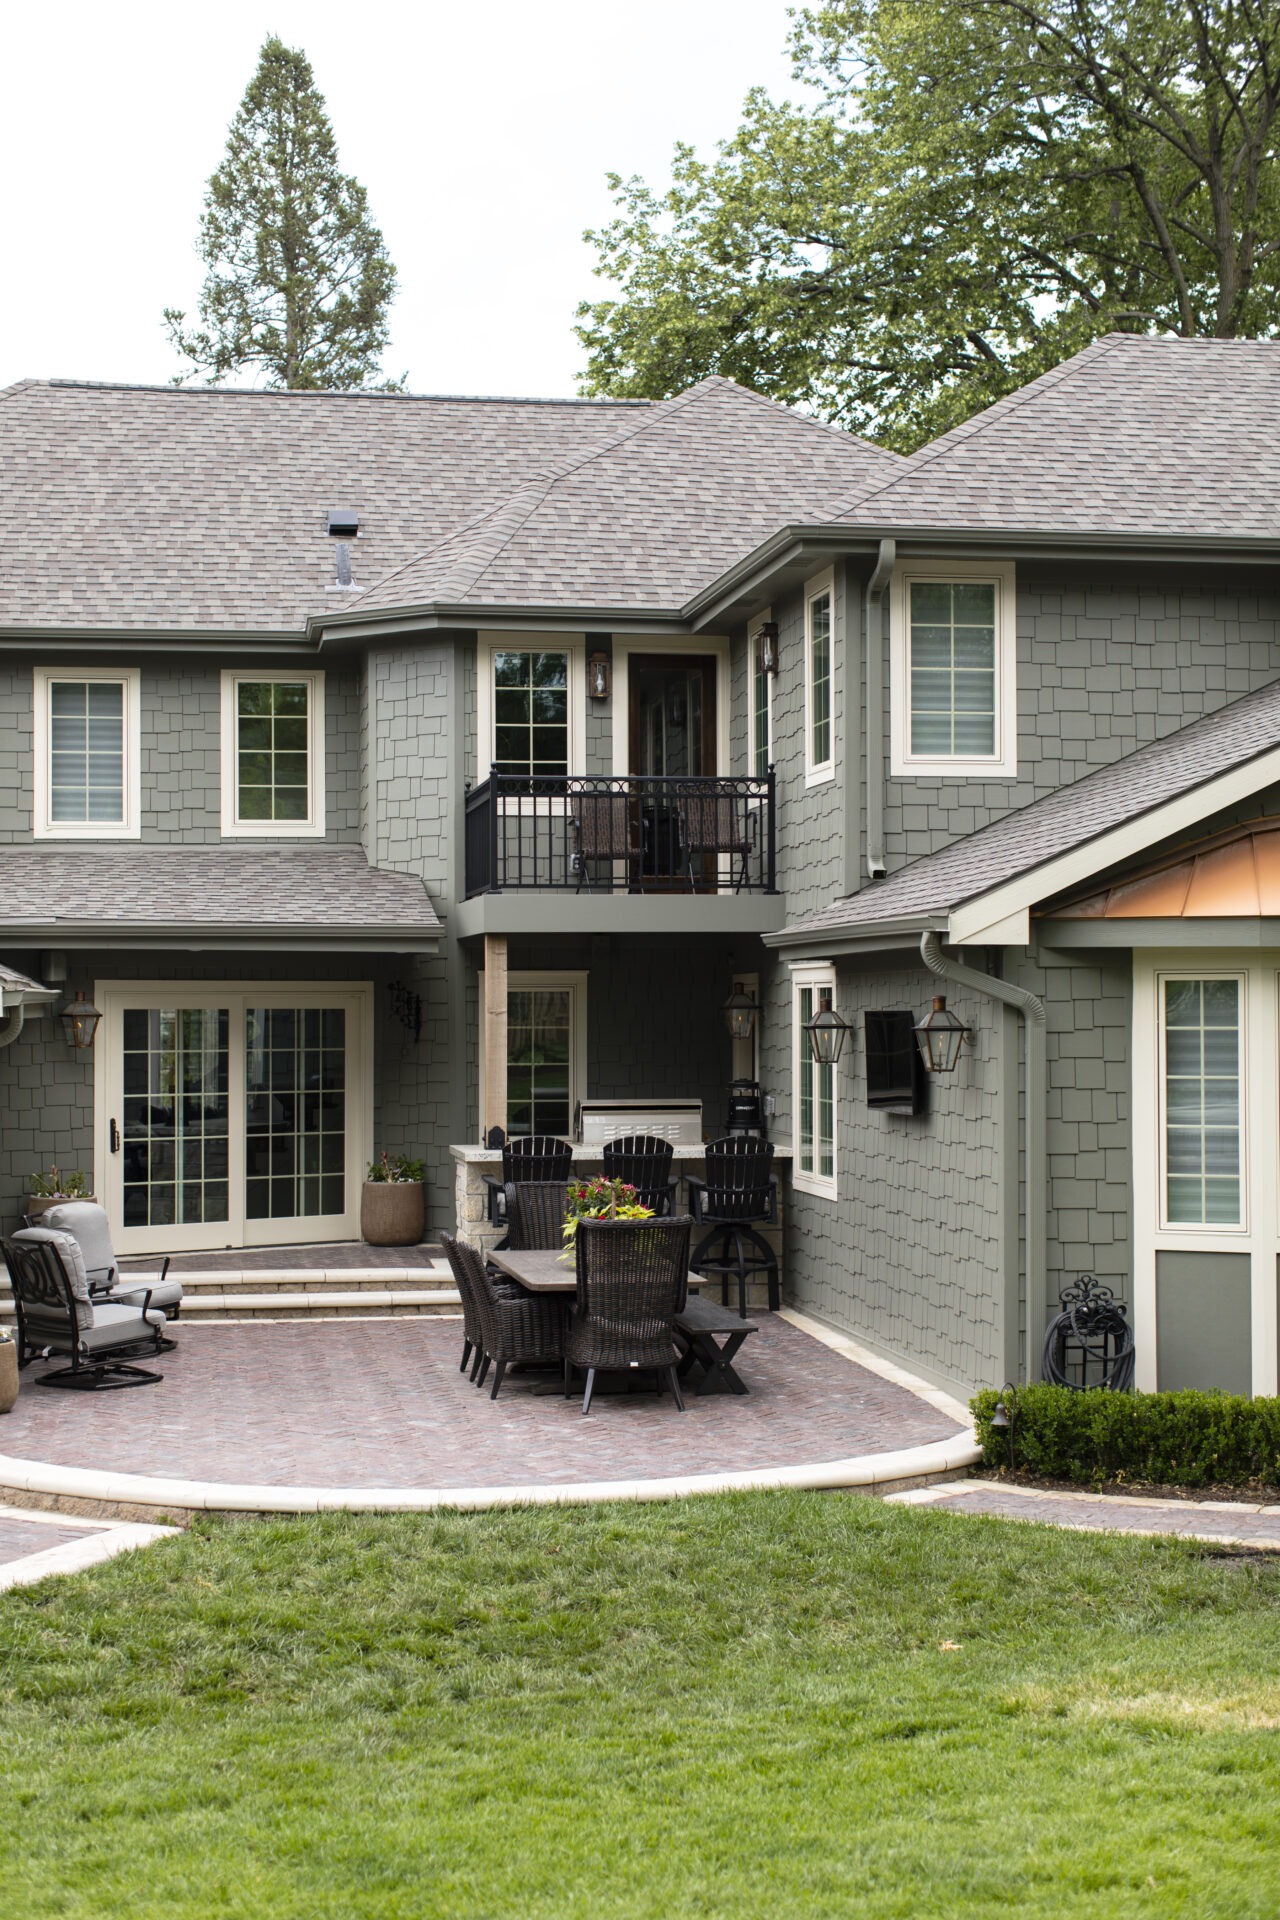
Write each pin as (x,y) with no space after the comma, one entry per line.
(538,1270)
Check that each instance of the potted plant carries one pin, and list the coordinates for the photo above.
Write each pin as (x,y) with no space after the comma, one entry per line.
(8,1369)
(50,1188)
(393,1210)
(599,1198)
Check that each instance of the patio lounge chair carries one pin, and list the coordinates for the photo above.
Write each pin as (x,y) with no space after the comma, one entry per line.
(643,1161)
(536,1211)
(88,1226)
(633,1279)
(737,1196)
(715,823)
(606,827)
(57,1314)
(516,1328)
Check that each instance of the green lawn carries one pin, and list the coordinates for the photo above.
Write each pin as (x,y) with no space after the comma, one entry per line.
(754,1705)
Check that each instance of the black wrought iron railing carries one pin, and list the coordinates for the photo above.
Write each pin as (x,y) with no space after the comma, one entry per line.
(634,833)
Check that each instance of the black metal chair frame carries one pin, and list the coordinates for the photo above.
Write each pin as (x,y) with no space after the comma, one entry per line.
(528,1157)
(517,1328)
(643,1161)
(714,823)
(633,1280)
(39,1280)
(738,1195)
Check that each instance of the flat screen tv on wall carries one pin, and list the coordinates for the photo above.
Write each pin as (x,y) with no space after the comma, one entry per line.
(896,1079)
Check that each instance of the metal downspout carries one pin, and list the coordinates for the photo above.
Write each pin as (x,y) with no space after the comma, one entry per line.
(1033,1019)
(873,648)
(14,1028)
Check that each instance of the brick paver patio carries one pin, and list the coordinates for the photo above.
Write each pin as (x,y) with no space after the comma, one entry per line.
(381,1403)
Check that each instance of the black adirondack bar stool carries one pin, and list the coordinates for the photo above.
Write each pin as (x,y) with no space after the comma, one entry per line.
(528,1157)
(643,1161)
(737,1197)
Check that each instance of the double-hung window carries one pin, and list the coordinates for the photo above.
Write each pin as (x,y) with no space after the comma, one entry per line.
(86,736)
(272,755)
(531,706)
(952,671)
(1202,1066)
(819,727)
(814,1088)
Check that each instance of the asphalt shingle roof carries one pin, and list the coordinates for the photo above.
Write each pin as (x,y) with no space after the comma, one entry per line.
(271,891)
(1134,435)
(931,888)
(179,510)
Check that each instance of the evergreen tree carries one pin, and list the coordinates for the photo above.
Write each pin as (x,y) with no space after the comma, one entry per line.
(298,280)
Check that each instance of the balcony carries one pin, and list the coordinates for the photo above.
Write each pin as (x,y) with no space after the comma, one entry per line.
(628,852)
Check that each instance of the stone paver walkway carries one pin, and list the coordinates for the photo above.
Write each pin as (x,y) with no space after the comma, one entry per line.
(34,1544)
(381,1403)
(1229,1522)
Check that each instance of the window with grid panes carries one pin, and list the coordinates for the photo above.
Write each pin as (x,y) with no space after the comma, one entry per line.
(539,1060)
(819,681)
(531,713)
(761,697)
(86,751)
(1202,1106)
(952,668)
(273,760)
(815,1091)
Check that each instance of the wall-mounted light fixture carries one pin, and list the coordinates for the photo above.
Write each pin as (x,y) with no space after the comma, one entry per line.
(766,638)
(80,1021)
(598,676)
(940,1036)
(826,1031)
(740,1012)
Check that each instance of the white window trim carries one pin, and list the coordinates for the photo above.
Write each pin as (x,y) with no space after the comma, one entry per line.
(312,828)
(753,655)
(43,826)
(573,644)
(1003,763)
(818,771)
(533,982)
(1259,1148)
(821,979)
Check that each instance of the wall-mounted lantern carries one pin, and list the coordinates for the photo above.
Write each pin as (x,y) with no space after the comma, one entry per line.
(598,676)
(940,1036)
(766,638)
(740,1012)
(80,1021)
(826,1031)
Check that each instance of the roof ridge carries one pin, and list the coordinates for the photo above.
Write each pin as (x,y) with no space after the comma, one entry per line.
(967,429)
(337,393)
(801,418)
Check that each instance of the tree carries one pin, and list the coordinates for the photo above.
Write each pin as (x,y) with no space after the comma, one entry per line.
(973,192)
(299,282)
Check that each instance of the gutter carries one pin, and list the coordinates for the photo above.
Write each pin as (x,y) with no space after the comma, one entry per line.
(1033,1019)
(17,1020)
(873,644)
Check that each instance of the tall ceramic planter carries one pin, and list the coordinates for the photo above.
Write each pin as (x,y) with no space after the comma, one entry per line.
(8,1374)
(393,1213)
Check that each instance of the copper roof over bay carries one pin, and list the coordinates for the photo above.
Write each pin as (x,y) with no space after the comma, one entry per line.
(1233,876)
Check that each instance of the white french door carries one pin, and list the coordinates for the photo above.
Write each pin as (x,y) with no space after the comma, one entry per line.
(230,1117)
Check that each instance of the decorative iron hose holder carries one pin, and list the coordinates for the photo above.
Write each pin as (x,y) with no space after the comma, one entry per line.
(1090,1344)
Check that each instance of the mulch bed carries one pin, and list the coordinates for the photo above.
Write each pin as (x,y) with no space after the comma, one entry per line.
(1258,1493)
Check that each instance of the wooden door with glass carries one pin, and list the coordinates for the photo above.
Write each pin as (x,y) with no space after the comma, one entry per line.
(672,738)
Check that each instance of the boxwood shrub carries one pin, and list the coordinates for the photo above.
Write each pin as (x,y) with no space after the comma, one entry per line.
(1186,1439)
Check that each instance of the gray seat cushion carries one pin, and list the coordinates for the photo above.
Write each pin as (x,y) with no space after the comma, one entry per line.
(115,1325)
(68,1251)
(87,1224)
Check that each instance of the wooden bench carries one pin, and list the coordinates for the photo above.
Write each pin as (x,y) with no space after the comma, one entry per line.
(712,1336)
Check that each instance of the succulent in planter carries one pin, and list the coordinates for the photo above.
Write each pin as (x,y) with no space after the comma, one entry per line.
(397,1172)
(393,1204)
(55,1185)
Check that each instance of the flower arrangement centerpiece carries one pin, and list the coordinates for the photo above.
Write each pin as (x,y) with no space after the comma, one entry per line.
(599,1198)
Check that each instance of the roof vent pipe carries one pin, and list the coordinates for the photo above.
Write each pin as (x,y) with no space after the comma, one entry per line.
(873,648)
(342,560)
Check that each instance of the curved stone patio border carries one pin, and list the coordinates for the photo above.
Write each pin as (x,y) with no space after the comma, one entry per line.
(129,1496)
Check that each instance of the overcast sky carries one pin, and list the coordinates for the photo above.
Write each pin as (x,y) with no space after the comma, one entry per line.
(482,132)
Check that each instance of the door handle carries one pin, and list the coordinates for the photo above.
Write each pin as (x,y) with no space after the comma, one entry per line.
(115,1138)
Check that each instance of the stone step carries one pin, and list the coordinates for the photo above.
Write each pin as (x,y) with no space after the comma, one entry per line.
(306,1279)
(335,1304)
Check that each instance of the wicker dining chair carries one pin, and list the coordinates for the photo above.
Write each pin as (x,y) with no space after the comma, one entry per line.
(633,1279)
(472,1325)
(516,1328)
(536,1212)
(715,823)
(606,827)
(643,1161)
